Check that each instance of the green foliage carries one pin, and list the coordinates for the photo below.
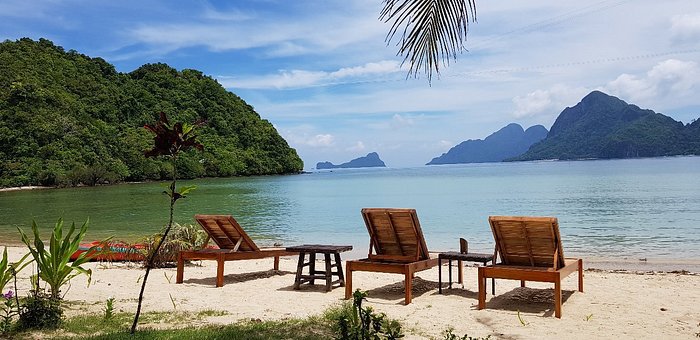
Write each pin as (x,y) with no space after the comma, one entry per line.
(183,237)
(8,270)
(9,308)
(109,309)
(68,119)
(448,334)
(40,311)
(354,322)
(53,265)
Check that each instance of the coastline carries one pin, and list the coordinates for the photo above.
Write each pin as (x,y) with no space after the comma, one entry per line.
(613,305)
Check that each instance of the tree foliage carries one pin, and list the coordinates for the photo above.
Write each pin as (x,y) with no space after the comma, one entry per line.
(68,119)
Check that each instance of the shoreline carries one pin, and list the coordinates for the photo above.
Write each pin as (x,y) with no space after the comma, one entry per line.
(23,188)
(608,264)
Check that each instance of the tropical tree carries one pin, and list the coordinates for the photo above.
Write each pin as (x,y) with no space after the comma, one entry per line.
(169,141)
(431,31)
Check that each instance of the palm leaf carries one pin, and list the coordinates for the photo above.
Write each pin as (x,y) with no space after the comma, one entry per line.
(433,31)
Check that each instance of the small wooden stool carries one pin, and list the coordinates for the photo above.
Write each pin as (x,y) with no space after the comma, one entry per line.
(462,255)
(327,274)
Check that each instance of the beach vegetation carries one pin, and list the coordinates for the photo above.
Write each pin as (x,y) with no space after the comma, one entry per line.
(54,265)
(109,308)
(9,269)
(352,321)
(182,237)
(449,334)
(40,311)
(169,142)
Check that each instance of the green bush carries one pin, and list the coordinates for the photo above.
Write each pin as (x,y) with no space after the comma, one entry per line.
(40,311)
(187,237)
(361,323)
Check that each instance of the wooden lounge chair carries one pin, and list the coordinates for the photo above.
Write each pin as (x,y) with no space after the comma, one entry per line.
(396,246)
(234,244)
(530,250)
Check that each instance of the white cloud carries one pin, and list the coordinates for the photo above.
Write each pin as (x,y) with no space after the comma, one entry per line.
(359,146)
(302,78)
(668,78)
(325,140)
(399,121)
(547,102)
(686,27)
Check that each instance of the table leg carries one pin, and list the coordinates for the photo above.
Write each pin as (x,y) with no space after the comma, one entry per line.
(312,267)
(329,276)
(449,266)
(439,275)
(460,279)
(339,268)
(300,266)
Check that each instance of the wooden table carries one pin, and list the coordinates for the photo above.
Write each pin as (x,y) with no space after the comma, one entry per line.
(313,274)
(460,257)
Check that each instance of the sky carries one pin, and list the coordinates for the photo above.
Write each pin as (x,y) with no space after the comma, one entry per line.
(323,74)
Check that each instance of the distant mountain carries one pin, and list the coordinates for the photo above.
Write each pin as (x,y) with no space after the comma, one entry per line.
(507,142)
(603,126)
(372,160)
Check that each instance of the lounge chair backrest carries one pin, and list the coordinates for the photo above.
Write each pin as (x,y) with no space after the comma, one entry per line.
(528,241)
(395,235)
(226,232)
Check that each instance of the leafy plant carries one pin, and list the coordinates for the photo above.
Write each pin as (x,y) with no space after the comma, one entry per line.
(53,265)
(448,334)
(169,141)
(361,323)
(522,321)
(109,309)
(588,317)
(187,237)
(9,311)
(8,270)
(40,311)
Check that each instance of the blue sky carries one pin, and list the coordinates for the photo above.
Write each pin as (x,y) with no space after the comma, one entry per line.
(322,73)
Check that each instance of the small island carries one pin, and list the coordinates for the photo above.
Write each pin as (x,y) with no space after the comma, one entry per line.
(372,160)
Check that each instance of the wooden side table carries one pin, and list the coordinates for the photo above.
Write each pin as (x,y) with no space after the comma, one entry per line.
(313,274)
(460,257)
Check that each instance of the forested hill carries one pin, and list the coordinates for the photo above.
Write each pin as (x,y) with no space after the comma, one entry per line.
(603,126)
(66,119)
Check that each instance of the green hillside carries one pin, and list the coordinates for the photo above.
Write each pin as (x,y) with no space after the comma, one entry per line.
(67,119)
(603,126)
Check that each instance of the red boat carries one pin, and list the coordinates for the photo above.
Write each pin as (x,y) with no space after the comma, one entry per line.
(111,251)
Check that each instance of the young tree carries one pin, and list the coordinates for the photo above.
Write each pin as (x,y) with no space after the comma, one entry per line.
(169,141)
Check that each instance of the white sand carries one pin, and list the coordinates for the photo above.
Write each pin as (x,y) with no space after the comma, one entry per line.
(614,305)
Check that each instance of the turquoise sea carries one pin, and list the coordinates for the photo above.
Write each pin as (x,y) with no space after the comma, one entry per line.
(606,208)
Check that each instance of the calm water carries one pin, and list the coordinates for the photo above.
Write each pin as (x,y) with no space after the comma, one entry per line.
(607,208)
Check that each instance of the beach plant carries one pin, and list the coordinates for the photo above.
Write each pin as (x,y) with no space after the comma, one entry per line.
(40,311)
(109,309)
(8,269)
(182,237)
(54,265)
(169,141)
(362,323)
(9,311)
(448,334)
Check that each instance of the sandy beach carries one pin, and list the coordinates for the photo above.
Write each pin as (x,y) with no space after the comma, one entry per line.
(615,304)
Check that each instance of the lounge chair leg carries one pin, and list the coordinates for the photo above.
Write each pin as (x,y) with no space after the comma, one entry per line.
(220,271)
(408,285)
(348,280)
(580,275)
(180,269)
(276,264)
(522,283)
(557,298)
(439,275)
(460,272)
(482,288)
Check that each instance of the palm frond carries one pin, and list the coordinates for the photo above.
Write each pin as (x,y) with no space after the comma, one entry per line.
(433,31)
